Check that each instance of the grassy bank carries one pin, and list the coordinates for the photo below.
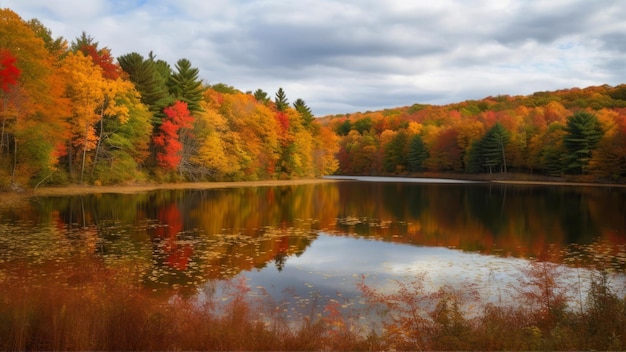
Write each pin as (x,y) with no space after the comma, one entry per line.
(93,308)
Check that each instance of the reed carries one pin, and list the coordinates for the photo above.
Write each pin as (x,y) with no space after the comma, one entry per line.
(92,308)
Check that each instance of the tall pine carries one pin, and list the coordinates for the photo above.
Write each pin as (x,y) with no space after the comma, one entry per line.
(583,132)
(281,100)
(149,82)
(184,85)
(417,154)
(304,110)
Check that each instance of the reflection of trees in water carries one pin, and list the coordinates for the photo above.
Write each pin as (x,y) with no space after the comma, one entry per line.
(279,260)
(520,220)
(220,232)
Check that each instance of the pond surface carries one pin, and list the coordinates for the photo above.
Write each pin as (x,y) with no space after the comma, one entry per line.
(318,241)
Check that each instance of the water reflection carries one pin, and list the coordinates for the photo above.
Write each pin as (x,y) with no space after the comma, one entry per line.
(289,236)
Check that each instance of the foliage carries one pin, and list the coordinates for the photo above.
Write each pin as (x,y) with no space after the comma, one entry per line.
(396,152)
(9,73)
(417,154)
(583,133)
(33,102)
(281,100)
(177,118)
(488,153)
(184,85)
(535,134)
(305,112)
(150,83)
(261,96)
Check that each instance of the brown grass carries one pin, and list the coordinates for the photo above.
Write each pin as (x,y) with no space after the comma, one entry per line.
(93,309)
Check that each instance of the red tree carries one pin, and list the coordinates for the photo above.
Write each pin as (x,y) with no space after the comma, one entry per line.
(177,117)
(9,73)
(103,59)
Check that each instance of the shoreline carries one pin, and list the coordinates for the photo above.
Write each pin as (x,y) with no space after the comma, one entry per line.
(10,199)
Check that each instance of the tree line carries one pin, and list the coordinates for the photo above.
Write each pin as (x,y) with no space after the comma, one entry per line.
(567,132)
(71,113)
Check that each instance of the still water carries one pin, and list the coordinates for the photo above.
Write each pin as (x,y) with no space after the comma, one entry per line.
(318,241)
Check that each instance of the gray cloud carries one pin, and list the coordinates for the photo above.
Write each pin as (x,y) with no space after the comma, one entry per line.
(348,56)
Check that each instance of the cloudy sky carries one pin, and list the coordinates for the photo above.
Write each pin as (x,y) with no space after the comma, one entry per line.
(344,56)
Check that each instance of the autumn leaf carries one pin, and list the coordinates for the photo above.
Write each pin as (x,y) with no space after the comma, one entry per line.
(9,73)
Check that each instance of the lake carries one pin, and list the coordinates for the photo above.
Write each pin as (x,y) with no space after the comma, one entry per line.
(317,242)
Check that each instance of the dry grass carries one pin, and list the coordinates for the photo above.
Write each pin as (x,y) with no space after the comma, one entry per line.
(92,309)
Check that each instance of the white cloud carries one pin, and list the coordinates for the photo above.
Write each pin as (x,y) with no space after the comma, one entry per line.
(347,56)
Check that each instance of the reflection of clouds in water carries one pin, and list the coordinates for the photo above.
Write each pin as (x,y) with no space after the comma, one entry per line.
(333,265)
(454,268)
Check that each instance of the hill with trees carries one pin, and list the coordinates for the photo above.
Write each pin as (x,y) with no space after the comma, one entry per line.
(567,132)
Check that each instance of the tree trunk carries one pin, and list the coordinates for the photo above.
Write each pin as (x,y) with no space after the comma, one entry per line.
(82,168)
(14,161)
(2,136)
(95,158)
(4,119)
(503,155)
(69,159)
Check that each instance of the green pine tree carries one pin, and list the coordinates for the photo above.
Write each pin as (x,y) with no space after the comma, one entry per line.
(281,100)
(184,85)
(149,82)
(304,110)
(417,154)
(489,153)
(261,96)
(396,152)
(583,132)
(493,148)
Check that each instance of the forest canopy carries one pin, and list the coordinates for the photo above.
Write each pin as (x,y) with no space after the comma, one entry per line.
(567,132)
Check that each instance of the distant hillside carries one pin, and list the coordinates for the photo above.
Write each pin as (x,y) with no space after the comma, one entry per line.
(565,132)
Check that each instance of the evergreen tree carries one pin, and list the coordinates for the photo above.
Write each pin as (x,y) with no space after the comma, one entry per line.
(363,125)
(492,148)
(184,85)
(148,81)
(224,88)
(417,153)
(281,100)
(474,158)
(344,128)
(583,132)
(396,152)
(304,110)
(488,153)
(83,41)
(261,96)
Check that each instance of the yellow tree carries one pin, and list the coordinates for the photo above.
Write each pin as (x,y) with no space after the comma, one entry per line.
(87,89)
(326,146)
(113,106)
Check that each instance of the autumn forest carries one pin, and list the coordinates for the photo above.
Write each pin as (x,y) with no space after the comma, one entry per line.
(72,113)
